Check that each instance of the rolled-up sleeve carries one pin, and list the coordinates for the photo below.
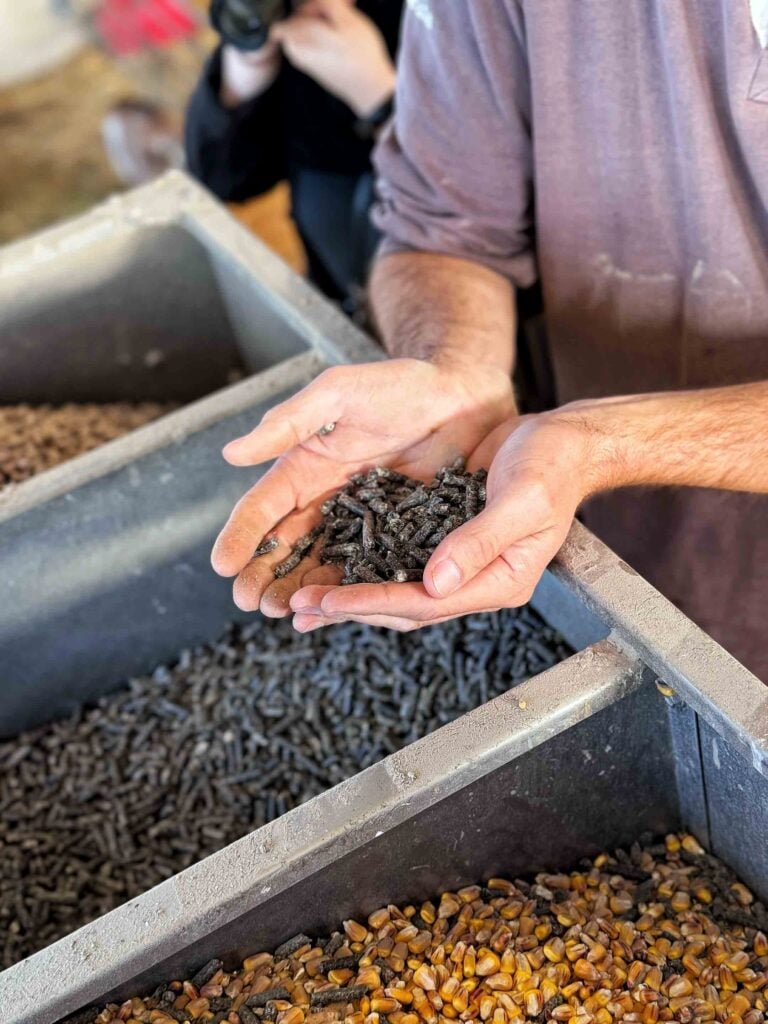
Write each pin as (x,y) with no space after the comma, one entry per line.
(455,165)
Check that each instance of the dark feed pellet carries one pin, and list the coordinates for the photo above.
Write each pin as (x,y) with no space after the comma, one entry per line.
(383,526)
(35,438)
(100,807)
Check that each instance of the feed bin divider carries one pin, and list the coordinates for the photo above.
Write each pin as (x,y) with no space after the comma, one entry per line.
(104,560)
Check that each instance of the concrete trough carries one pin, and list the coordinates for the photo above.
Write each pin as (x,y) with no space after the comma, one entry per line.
(584,756)
(156,295)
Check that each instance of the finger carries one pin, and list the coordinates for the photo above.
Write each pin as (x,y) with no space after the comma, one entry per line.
(306,623)
(259,574)
(257,512)
(276,599)
(468,550)
(291,423)
(309,599)
(495,587)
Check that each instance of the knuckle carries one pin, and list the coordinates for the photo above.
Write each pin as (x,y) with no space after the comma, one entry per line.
(334,377)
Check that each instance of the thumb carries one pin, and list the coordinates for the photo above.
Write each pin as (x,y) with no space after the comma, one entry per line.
(474,546)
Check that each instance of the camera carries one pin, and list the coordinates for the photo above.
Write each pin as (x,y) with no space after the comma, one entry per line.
(245,24)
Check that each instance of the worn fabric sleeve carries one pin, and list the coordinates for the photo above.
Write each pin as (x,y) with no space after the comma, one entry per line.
(455,165)
(237,153)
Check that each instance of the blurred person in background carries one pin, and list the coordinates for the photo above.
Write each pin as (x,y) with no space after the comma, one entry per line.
(305,107)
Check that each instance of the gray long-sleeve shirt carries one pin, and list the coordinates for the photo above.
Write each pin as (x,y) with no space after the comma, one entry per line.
(618,150)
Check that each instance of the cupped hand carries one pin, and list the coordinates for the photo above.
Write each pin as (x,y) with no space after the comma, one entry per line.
(411,415)
(541,469)
(342,49)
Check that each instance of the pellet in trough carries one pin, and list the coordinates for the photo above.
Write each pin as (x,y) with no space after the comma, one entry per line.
(262,998)
(35,438)
(205,973)
(292,945)
(101,806)
(337,995)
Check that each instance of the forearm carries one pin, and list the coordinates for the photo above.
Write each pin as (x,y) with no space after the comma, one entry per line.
(444,309)
(708,438)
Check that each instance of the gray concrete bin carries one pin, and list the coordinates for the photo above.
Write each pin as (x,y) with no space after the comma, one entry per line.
(585,756)
(156,295)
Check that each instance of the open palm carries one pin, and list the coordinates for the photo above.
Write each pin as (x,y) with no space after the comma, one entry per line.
(404,413)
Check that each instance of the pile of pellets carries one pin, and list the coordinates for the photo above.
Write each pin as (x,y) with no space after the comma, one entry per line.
(98,808)
(383,526)
(663,932)
(36,438)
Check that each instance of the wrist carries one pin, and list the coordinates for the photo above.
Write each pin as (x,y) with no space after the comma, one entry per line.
(374,93)
(473,349)
(599,450)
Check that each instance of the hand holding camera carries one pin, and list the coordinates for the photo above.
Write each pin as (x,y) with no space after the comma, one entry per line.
(329,40)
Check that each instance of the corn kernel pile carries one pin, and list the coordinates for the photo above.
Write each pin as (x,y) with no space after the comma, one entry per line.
(660,933)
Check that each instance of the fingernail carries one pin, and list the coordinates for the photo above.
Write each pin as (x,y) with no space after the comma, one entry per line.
(446,577)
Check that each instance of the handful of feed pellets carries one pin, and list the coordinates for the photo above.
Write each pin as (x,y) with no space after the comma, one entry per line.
(383,526)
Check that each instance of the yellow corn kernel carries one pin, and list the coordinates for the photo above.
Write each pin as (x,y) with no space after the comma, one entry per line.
(653,979)
(742,894)
(562,1012)
(549,989)
(554,950)
(426,978)
(428,912)
(292,1016)
(680,987)
(378,919)
(586,971)
(404,996)
(500,885)
(355,931)
(469,964)
(340,977)
(487,1006)
(534,1002)
(738,961)
(488,963)
(681,901)
(500,981)
(437,956)
(449,988)
(384,1004)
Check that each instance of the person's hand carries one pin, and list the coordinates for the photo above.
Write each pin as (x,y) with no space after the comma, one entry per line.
(541,469)
(342,49)
(404,413)
(245,74)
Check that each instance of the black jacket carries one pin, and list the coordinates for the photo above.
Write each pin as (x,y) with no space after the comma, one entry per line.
(294,126)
